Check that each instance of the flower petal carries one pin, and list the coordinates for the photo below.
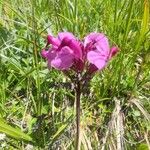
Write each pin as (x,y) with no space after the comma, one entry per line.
(49,54)
(52,40)
(73,45)
(64,59)
(100,41)
(92,37)
(44,53)
(113,51)
(62,35)
(98,60)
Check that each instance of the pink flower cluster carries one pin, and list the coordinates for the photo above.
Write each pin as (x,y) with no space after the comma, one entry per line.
(66,52)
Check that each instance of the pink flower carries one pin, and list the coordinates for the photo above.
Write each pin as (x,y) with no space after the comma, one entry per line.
(98,51)
(67,52)
(64,52)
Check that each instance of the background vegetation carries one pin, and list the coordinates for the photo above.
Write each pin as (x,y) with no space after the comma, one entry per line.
(40,102)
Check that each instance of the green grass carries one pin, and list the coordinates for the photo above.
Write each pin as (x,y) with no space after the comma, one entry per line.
(39,101)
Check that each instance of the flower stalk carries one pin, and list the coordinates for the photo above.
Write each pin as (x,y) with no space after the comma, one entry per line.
(78,96)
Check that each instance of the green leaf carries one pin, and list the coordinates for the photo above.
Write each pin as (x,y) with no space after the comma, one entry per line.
(143,147)
(60,130)
(144,24)
(13,132)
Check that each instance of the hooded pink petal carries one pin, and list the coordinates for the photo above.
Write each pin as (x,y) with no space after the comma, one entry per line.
(52,40)
(98,40)
(63,60)
(63,35)
(98,60)
(91,38)
(73,44)
(98,49)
